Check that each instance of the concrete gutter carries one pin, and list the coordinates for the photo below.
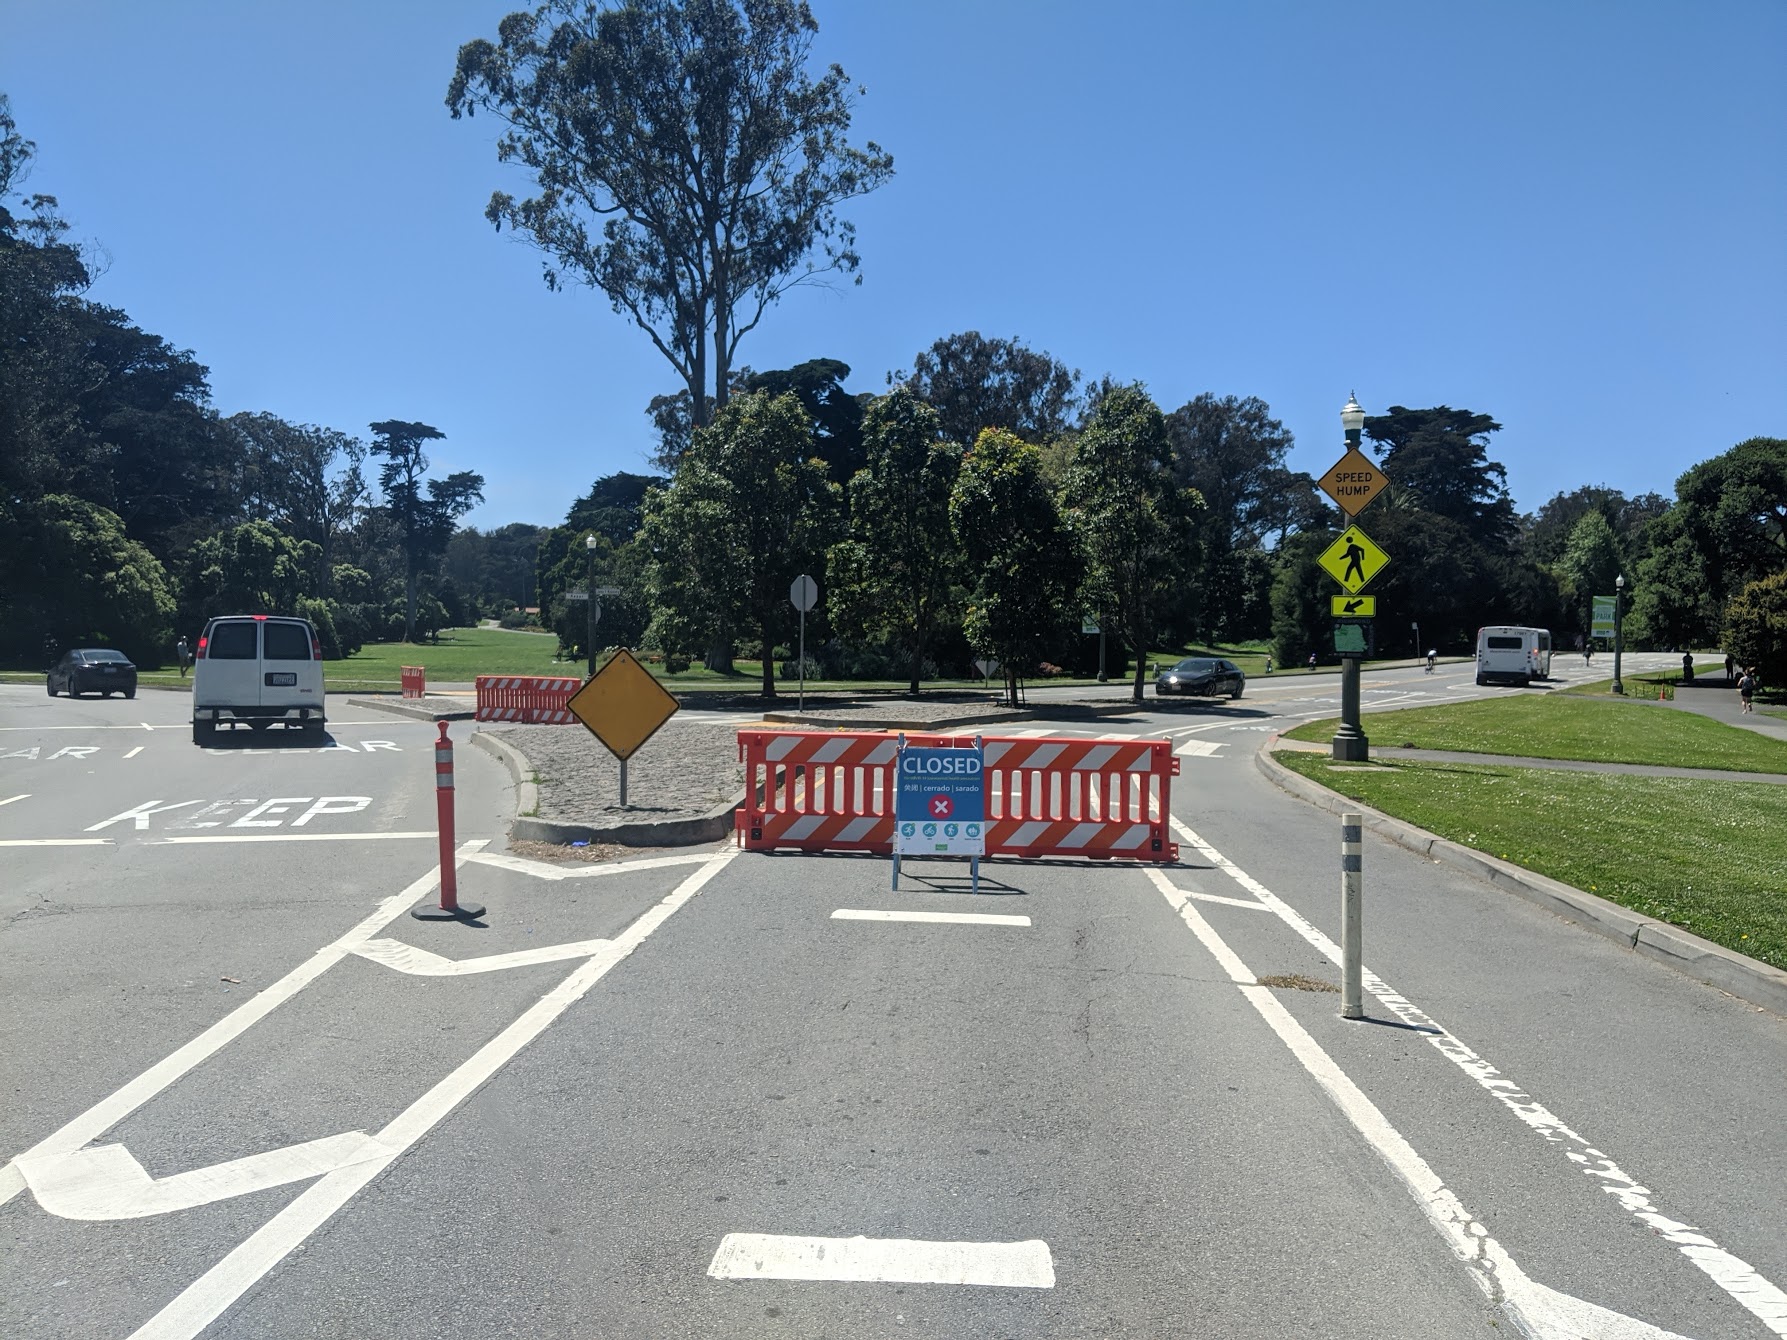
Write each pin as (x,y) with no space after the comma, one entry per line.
(689,830)
(1704,961)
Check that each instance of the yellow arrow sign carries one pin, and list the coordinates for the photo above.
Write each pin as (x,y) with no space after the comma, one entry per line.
(1353,607)
(622,704)
(1353,560)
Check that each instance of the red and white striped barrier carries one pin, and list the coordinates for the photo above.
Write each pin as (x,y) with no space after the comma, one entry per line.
(414,679)
(834,791)
(526,698)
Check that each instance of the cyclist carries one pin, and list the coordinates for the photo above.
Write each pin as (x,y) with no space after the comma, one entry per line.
(1432,659)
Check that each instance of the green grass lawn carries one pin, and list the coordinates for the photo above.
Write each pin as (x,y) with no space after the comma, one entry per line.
(1710,857)
(1597,730)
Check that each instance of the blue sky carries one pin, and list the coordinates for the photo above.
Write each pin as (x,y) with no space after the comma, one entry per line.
(1572,217)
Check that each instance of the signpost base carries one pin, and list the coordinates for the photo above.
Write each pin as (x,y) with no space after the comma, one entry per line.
(1350,744)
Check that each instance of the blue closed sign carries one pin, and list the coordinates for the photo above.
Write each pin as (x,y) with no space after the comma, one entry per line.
(940,802)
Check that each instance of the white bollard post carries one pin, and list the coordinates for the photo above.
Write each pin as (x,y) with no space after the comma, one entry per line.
(1352,881)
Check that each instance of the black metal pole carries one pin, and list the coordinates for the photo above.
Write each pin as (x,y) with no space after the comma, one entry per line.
(1619,592)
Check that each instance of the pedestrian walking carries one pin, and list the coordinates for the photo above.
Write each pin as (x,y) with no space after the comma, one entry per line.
(1746,687)
(183,654)
(1687,667)
(1730,667)
(1268,665)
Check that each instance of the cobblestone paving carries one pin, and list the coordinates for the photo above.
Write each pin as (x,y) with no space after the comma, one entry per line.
(687,768)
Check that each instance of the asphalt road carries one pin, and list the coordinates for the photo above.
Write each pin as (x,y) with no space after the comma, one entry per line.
(683,1097)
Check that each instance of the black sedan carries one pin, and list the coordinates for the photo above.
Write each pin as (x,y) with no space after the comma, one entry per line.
(93,670)
(1206,676)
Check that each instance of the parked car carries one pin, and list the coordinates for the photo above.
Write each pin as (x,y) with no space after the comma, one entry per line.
(1207,676)
(257,669)
(92,670)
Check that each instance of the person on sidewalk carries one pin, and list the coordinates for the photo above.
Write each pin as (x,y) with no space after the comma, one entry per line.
(183,654)
(1746,687)
(1687,667)
(1730,666)
(1312,660)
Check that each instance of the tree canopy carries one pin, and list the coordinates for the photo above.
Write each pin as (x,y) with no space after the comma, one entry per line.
(974,383)
(685,162)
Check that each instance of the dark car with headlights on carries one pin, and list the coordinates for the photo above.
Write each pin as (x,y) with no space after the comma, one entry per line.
(1206,676)
(93,670)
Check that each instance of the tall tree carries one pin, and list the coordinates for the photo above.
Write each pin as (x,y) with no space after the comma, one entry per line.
(974,383)
(424,522)
(309,481)
(750,508)
(1136,524)
(1442,454)
(894,578)
(686,163)
(834,415)
(1023,564)
(81,580)
(1591,560)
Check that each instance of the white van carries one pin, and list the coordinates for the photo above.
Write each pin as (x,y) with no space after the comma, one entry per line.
(1513,655)
(257,669)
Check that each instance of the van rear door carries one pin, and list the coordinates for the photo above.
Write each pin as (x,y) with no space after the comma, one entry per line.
(232,655)
(291,676)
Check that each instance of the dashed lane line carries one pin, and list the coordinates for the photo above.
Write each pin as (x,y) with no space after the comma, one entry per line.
(777,1256)
(23,795)
(960,918)
(290,837)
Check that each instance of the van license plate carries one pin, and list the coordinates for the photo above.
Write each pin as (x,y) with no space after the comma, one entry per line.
(281,681)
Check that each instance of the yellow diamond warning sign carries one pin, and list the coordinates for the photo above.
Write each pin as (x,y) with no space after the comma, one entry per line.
(1353,560)
(623,706)
(1352,481)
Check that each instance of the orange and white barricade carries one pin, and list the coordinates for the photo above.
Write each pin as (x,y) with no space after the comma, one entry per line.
(531,699)
(834,791)
(414,679)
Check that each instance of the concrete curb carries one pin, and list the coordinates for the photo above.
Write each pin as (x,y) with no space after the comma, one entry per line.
(691,830)
(398,707)
(1704,961)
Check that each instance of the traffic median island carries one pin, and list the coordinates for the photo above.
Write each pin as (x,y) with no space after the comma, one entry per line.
(1580,729)
(1687,871)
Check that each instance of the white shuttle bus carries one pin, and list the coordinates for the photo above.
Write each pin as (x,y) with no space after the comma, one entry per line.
(1513,655)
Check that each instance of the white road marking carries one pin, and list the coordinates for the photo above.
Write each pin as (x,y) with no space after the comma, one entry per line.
(140,815)
(23,795)
(546,870)
(966,918)
(416,962)
(108,1183)
(774,1256)
(134,752)
(277,806)
(294,837)
(145,725)
(332,805)
(206,1299)
(1248,903)
(30,753)
(1198,748)
(108,1112)
(1544,1313)
(76,751)
(1735,1276)
(56,842)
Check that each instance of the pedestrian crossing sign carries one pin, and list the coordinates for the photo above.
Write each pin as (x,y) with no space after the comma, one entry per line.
(1353,560)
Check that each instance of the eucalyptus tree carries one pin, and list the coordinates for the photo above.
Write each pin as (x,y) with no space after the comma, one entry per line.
(895,578)
(1136,524)
(977,382)
(685,162)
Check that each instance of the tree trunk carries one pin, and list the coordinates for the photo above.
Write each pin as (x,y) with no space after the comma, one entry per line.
(769,661)
(409,602)
(918,665)
(719,653)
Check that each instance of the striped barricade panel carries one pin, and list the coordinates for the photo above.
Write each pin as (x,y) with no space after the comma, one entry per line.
(834,791)
(532,699)
(414,680)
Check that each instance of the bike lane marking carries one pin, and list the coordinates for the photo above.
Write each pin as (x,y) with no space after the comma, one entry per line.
(208,1297)
(1736,1277)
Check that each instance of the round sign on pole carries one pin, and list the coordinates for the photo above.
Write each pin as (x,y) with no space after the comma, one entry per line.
(804,593)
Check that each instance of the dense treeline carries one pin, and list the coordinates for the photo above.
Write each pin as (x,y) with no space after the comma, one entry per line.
(986,506)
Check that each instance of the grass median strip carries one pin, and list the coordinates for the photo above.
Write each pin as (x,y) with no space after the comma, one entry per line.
(1552,726)
(1710,857)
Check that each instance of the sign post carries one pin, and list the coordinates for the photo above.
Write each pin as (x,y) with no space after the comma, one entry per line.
(1352,560)
(940,804)
(802,594)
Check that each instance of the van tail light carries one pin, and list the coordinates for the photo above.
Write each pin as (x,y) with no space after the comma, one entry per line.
(203,643)
(316,646)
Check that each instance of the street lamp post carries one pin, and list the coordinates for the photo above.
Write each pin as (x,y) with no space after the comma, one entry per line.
(1350,744)
(1619,591)
(589,546)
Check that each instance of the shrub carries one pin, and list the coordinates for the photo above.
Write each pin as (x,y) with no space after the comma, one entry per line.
(676,664)
(791,668)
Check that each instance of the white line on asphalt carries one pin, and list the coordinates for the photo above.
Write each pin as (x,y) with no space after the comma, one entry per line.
(23,795)
(546,870)
(1248,903)
(775,1256)
(1198,748)
(966,918)
(204,1300)
(56,842)
(1543,1312)
(110,1111)
(134,752)
(291,837)
(1735,1276)
(145,725)
(401,957)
